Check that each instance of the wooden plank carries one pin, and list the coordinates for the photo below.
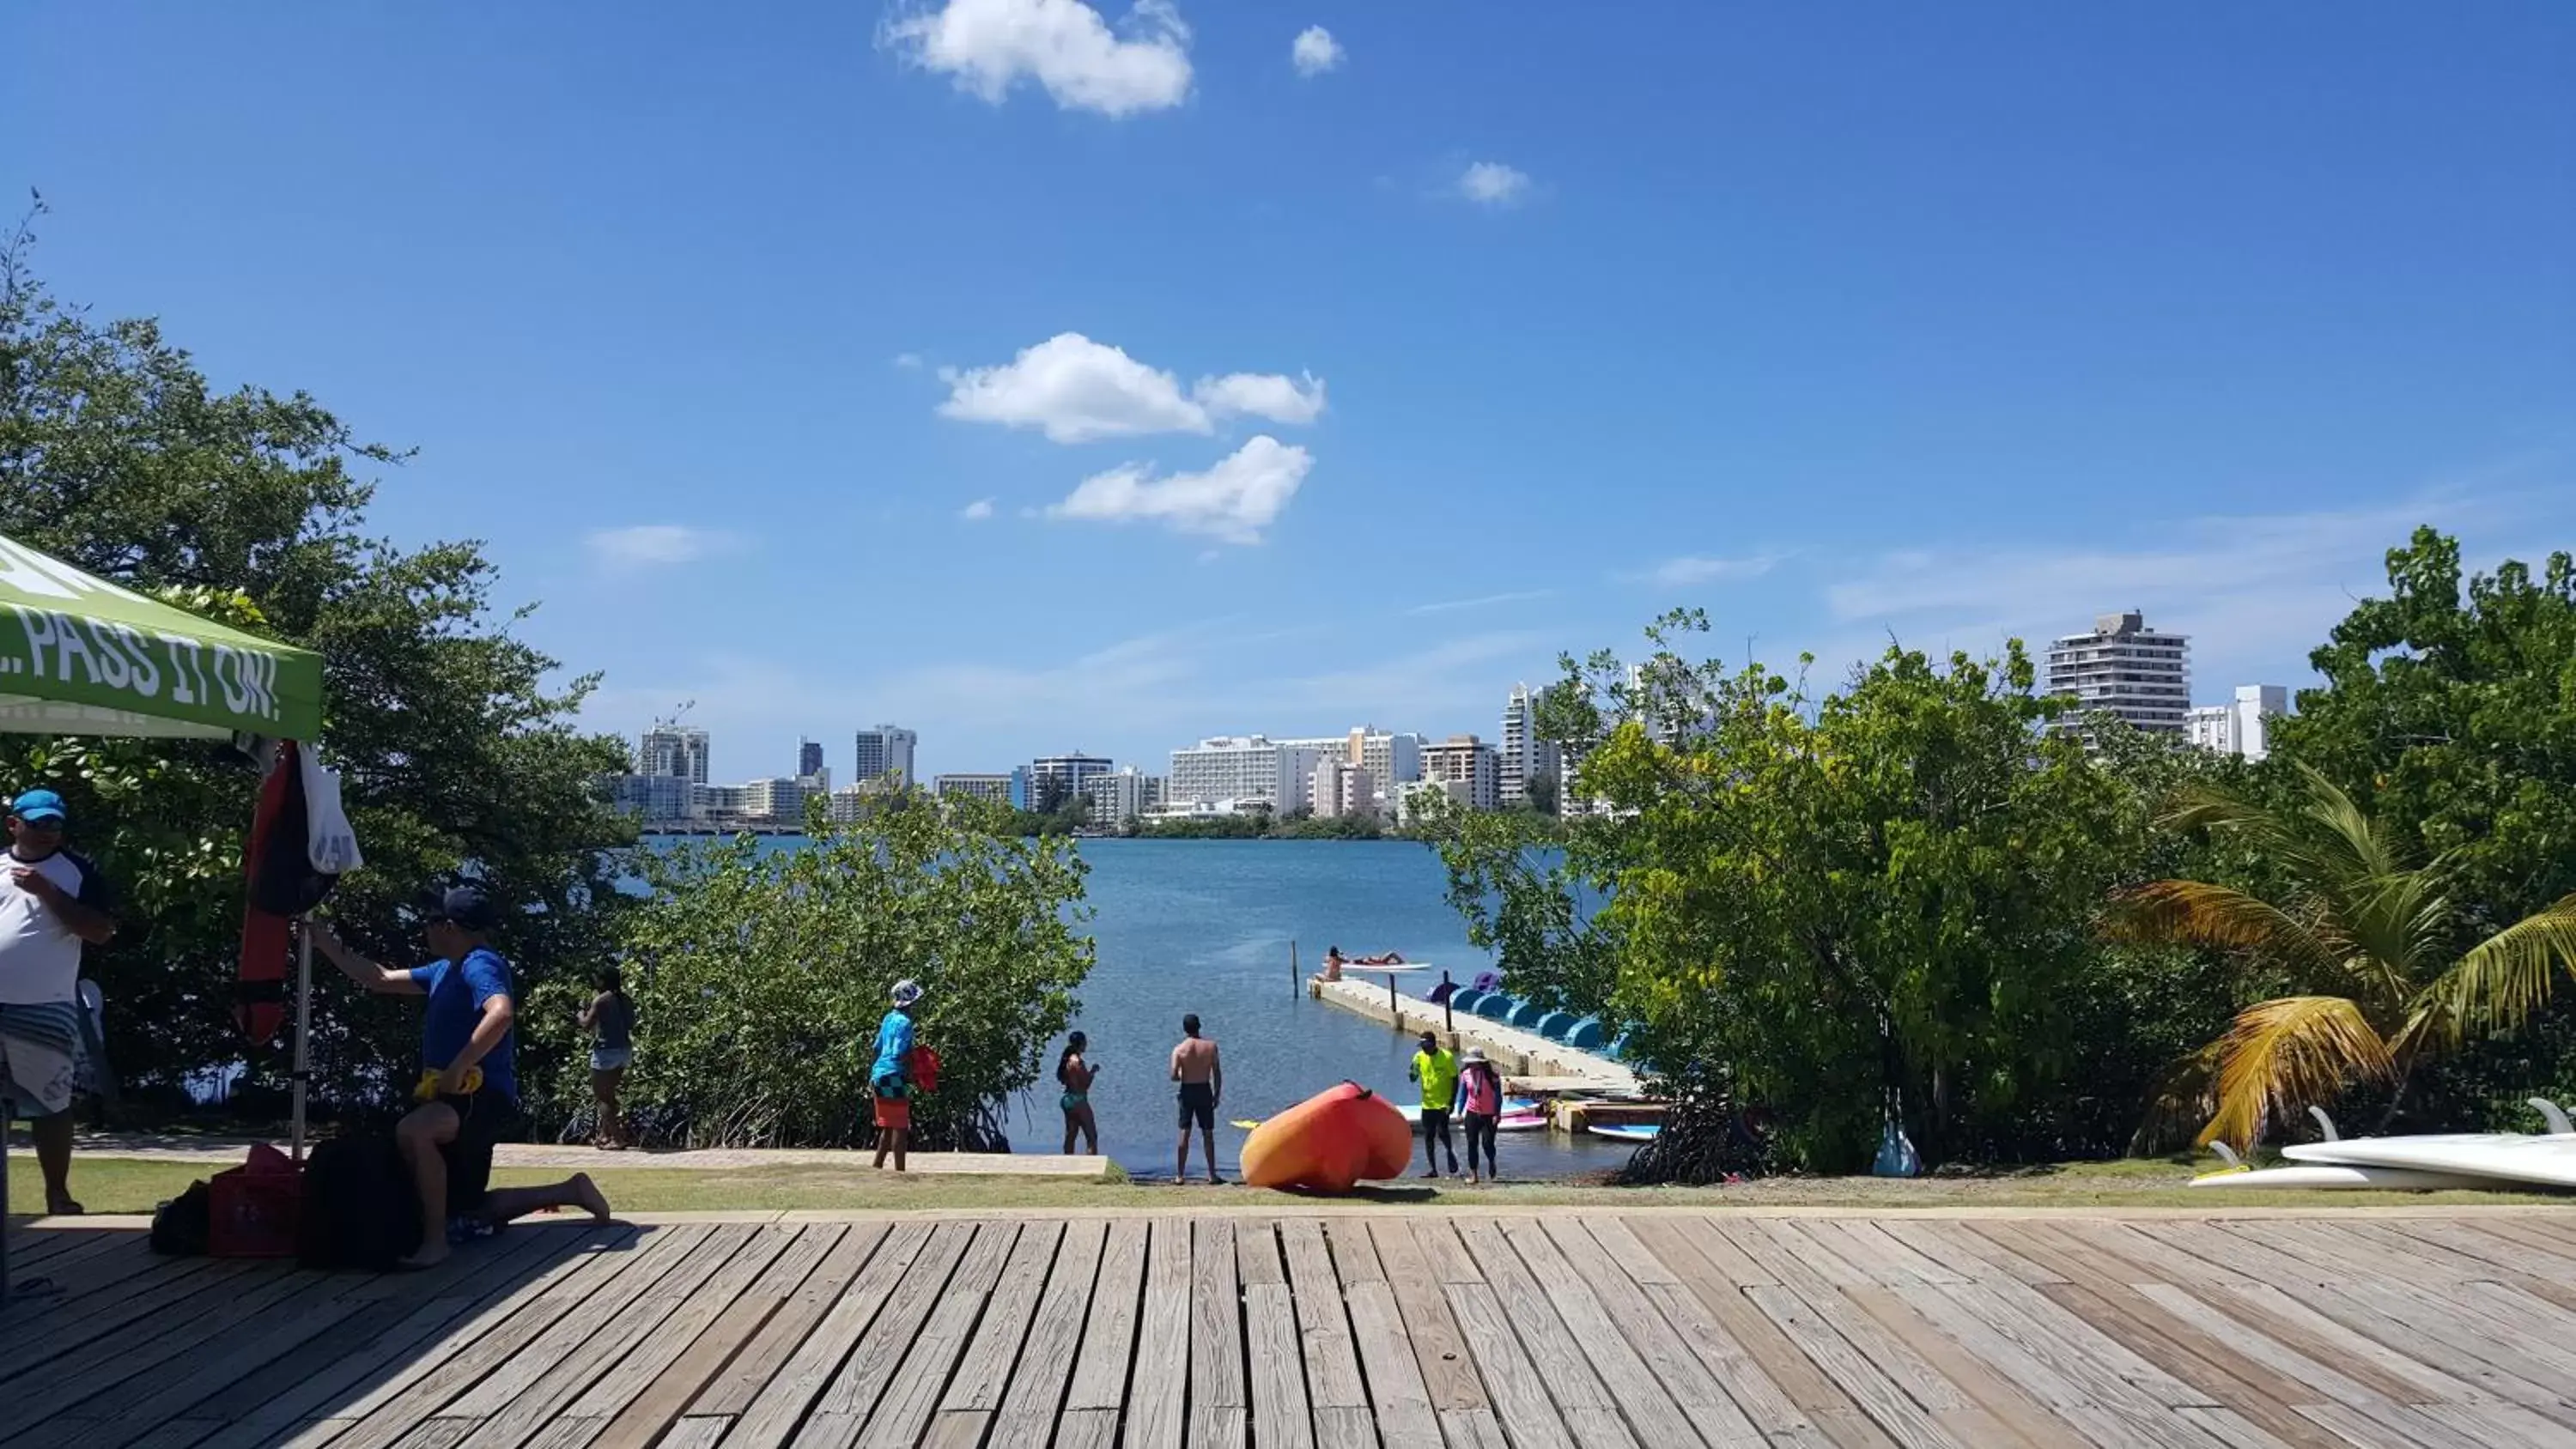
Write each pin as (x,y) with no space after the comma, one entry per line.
(144,1407)
(578,1351)
(642,1418)
(648,1367)
(702,1431)
(2011,1416)
(1354,1251)
(2346,1400)
(864,1378)
(1087,1429)
(66,1325)
(1447,1370)
(775,1412)
(1800,1274)
(1887,1259)
(1323,1326)
(1894,1411)
(903,1415)
(1512,1305)
(1469,1429)
(1398,1398)
(1220,1399)
(1028,1414)
(1664,1390)
(1274,1353)
(784,1330)
(1157,1401)
(1109,1339)
(1519,1390)
(1715,1274)
(986,1371)
(962,1428)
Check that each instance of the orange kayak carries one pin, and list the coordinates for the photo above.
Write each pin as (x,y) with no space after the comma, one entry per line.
(1329,1142)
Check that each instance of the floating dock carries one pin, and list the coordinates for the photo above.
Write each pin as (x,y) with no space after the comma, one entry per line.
(1525,1058)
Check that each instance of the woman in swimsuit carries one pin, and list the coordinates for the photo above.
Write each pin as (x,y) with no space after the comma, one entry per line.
(1074,1074)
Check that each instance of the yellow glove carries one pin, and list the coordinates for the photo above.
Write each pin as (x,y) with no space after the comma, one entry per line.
(428,1088)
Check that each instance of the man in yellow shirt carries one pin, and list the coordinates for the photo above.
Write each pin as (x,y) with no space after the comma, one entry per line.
(1436,1068)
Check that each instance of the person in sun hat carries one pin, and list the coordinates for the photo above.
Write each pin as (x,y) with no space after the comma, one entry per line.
(53,902)
(1480,1102)
(469,1096)
(890,1080)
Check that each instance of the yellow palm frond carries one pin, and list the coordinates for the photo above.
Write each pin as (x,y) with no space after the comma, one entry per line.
(2196,913)
(2505,977)
(2183,1100)
(2287,1052)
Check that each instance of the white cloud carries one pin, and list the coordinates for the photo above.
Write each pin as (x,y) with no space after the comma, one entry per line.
(1693,570)
(1485,601)
(989,46)
(980,509)
(1491,183)
(1232,501)
(909,361)
(1076,390)
(651,545)
(1262,395)
(1315,51)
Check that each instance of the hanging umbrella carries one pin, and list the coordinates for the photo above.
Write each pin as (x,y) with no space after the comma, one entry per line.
(82,656)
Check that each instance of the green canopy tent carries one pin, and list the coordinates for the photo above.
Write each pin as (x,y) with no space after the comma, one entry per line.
(82,656)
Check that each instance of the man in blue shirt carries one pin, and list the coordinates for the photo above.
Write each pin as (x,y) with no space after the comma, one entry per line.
(890,1080)
(473,1083)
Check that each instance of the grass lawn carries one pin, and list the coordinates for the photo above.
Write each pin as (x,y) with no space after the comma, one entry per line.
(111,1185)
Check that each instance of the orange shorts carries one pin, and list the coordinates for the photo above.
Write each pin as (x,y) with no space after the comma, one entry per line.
(894,1114)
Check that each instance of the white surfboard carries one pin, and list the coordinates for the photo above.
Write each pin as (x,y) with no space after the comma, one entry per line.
(2507,1157)
(2333,1176)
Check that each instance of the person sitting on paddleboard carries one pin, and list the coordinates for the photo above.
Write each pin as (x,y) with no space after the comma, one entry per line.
(1332,964)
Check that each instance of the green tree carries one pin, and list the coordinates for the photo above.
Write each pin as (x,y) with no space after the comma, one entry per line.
(2359,948)
(1889,890)
(761,974)
(456,749)
(2453,707)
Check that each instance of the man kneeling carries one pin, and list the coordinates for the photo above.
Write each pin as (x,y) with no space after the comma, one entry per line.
(447,1141)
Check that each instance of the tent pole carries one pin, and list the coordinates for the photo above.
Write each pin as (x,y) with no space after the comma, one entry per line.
(303,1026)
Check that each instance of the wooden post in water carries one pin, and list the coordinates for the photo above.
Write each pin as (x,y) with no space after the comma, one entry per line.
(1294,976)
(1448,1012)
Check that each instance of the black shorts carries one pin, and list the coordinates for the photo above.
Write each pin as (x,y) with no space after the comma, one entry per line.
(1435,1121)
(1198,1105)
(483,1120)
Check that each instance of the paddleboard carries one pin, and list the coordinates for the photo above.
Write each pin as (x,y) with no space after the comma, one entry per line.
(2335,1176)
(2508,1157)
(1628,1133)
(1512,1107)
(1522,1122)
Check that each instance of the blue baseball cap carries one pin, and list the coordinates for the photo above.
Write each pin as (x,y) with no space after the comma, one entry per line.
(37,806)
(465,907)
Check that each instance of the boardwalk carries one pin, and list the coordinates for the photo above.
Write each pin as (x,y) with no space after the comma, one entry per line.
(1414,1330)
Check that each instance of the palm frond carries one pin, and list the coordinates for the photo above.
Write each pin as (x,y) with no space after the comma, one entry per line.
(2506,977)
(2182,1101)
(2288,1052)
(2196,913)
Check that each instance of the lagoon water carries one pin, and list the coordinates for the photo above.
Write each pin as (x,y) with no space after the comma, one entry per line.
(1205,926)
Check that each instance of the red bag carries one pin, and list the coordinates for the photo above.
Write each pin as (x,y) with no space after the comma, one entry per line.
(922,1067)
(253,1209)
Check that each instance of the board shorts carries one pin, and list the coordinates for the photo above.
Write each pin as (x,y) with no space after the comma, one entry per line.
(609,1059)
(1074,1101)
(893,1101)
(483,1119)
(1198,1105)
(40,1055)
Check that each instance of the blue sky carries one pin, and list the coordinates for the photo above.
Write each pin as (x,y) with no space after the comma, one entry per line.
(1043,376)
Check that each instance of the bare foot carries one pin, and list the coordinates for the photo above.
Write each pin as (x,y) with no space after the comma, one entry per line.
(587,1193)
(63,1207)
(431,1254)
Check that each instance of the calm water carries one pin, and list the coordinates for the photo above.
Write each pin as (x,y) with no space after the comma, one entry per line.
(1205,926)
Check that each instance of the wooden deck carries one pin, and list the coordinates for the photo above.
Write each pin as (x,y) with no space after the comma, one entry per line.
(1413,1330)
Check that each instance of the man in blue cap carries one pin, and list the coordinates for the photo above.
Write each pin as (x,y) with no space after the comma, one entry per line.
(52,903)
(473,1085)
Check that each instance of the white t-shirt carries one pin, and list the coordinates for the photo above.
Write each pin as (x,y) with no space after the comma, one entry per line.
(39,956)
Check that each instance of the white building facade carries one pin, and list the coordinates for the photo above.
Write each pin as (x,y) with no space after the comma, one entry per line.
(982,787)
(1122,795)
(1467,762)
(2125,669)
(1243,769)
(670,750)
(1523,759)
(1057,778)
(1338,788)
(2241,726)
(884,754)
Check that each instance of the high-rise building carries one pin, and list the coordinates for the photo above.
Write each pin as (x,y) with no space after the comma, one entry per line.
(2125,669)
(1023,788)
(996,788)
(667,749)
(781,801)
(1243,769)
(1338,788)
(1392,759)
(885,754)
(1122,795)
(2243,726)
(656,798)
(1523,759)
(1467,762)
(1054,779)
(809,758)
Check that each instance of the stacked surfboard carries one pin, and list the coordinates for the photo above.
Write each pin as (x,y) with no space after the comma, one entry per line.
(2510,1161)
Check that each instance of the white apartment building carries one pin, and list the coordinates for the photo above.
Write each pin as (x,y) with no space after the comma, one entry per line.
(1121,795)
(849,804)
(1243,768)
(1337,788)
(1523,757)
(781,799)
(885,752)
(2126,669)
(653,797)
(1056,778)
(2243,725)
(670,750)
(982,787)
(1468,761)
(1392,758)
(718,800)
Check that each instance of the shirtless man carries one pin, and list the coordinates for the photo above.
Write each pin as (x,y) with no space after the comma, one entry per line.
(1202,1078)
